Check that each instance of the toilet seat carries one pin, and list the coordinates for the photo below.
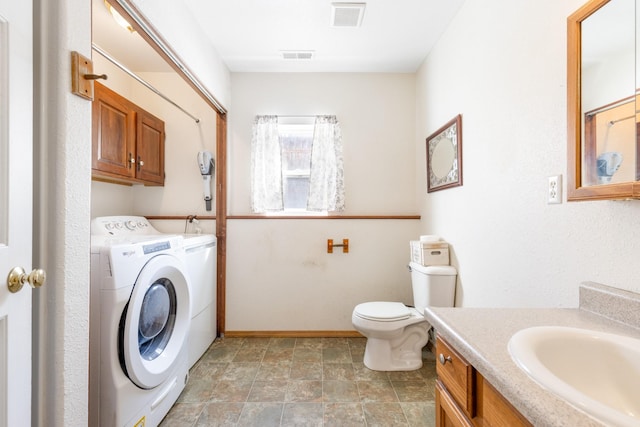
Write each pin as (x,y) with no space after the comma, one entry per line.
(382,311)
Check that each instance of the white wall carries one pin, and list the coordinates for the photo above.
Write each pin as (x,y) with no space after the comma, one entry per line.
(279,276)
(61,215)
(502,65)
(182,193)
(180,29)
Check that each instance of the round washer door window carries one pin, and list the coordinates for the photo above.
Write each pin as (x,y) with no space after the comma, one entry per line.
(157,321)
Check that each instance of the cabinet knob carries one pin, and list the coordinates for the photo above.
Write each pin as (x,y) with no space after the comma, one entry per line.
(444,359)
(140,163)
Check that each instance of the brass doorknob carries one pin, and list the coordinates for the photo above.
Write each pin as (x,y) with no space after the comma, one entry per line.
(17,278)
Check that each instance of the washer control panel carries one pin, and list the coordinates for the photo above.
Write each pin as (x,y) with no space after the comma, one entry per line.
(121,225)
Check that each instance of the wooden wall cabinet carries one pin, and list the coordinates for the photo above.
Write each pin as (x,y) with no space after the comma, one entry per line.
(127,141)
(465,399)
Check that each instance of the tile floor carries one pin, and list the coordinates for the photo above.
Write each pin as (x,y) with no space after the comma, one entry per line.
(301,382)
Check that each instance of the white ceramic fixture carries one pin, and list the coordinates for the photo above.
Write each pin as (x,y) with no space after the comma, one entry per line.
(396,333)
(595,371)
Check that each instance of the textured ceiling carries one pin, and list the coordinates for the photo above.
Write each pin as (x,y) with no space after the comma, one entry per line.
(249,35)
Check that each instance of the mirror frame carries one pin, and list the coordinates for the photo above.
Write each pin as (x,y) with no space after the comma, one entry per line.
(575,190)
(434,184)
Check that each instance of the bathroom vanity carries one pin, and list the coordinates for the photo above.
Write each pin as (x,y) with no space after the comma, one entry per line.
(481,385)
(465,398)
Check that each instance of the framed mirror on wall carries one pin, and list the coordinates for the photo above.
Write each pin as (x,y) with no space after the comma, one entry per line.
(602,101)
(444,156)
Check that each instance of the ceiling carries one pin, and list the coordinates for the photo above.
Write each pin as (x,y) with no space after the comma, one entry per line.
(249,35)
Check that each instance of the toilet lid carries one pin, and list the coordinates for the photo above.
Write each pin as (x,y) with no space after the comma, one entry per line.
(383,311)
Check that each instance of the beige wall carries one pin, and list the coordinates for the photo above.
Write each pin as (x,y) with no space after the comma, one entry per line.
(502,64)
(279,276)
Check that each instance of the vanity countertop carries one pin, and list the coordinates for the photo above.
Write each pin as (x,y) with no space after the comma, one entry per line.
(481,335)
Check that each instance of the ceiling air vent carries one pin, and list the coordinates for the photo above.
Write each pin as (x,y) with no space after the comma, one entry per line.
(347,14)
(297,54)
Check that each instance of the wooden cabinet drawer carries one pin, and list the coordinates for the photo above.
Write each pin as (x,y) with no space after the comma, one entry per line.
(457,376)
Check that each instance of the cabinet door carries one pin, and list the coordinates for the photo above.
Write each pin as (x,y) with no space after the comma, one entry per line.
(497,411)
(150,148)
(114,134)
(448,414)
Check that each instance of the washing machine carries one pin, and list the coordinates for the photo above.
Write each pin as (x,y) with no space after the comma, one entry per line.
(140,315)
(201,261)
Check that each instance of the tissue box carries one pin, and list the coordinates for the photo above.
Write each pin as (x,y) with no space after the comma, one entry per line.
(429,253)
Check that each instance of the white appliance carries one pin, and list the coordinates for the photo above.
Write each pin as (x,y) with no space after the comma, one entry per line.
(201,257)
(140,315)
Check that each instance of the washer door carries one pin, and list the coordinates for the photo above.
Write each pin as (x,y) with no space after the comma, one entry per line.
(156,322)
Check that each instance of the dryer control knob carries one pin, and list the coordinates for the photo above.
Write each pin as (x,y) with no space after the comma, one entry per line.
(131,225)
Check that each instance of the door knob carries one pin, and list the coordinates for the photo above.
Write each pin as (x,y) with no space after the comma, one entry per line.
(17,278)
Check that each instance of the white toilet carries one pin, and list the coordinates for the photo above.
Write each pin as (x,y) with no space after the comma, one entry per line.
(396,333)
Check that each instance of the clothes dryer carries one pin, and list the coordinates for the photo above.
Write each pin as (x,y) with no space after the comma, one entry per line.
(140,316)
(201,259)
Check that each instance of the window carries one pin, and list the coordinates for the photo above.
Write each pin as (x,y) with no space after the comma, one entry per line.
(296,165)
(296,141)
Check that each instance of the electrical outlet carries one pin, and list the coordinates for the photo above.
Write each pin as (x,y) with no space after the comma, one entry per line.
(554,191)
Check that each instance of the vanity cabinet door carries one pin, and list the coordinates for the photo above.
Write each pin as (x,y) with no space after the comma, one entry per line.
(448,414)
(497,411)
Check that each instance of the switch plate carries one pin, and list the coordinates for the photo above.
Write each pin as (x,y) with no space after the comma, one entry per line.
(554,190)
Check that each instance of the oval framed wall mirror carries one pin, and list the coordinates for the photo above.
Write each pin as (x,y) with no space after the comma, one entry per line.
(602,105)
(444,156)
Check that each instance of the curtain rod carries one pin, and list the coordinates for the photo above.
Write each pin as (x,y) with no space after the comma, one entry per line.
(139,79)
(613,122)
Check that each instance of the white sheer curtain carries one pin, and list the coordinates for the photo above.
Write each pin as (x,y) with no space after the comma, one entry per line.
(266,166)
(326,181)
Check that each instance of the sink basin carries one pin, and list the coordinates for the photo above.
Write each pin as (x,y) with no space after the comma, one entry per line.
(595,371)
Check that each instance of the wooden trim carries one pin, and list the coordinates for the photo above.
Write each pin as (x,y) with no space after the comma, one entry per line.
(316,217)
(221,220)
(576,190)
(179,217)
(293,334)
(209,217)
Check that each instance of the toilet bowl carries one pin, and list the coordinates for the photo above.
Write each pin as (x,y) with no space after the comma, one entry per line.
(396,333)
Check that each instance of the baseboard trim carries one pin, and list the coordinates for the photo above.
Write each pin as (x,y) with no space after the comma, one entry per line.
(292,334)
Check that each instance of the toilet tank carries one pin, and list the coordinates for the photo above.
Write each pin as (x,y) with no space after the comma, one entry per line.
(434,285)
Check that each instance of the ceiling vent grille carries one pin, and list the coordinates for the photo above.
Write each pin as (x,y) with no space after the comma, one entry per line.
(297,54)
(347,14)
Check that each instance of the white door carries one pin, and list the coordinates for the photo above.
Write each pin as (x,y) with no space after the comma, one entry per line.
(16,148)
